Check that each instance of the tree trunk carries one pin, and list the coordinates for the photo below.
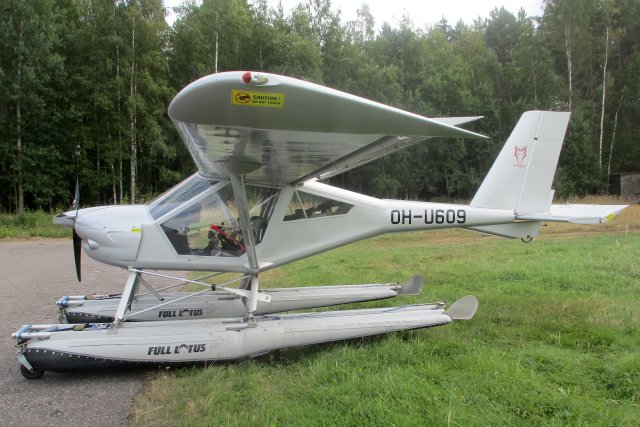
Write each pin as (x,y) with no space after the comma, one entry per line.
(113,184)
(535,83)
(613,137)
(567,46)
(215,66)
(20,189)
(120,179)
(604,94)
(132,92)
(19,186)
(119,117)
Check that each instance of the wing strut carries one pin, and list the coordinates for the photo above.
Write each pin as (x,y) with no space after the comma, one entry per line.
(237,182)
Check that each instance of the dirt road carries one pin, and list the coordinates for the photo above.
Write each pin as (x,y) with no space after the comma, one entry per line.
(34,274)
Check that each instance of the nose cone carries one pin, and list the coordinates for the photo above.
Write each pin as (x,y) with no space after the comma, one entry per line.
(68,218)
(111,234)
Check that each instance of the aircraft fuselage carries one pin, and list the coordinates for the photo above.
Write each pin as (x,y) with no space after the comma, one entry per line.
(302,221)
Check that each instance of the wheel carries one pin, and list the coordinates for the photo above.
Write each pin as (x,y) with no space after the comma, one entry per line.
(31,375)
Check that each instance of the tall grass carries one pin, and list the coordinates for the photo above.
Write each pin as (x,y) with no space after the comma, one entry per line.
(30,224)
(555,342)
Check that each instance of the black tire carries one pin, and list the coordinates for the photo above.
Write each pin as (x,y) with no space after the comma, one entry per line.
(31,375)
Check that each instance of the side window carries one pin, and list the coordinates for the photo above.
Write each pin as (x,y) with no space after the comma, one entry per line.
(304,206)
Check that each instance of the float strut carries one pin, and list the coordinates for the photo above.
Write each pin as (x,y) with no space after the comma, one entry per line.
(253,295)
(127,296)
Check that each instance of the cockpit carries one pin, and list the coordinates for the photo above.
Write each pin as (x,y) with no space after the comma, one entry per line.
(200,217)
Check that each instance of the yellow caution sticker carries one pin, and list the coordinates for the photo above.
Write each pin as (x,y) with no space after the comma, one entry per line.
(136,230)
(257,99)
(608,217)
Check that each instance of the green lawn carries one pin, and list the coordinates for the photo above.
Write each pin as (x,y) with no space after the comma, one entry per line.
(556,341)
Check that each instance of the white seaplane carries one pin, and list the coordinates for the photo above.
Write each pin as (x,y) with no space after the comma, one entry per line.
(263,143)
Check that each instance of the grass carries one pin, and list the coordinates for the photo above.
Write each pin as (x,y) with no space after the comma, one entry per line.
(31,224)
(555,340)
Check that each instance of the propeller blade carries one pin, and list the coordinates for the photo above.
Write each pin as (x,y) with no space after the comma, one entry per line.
(77,251)
(76,196)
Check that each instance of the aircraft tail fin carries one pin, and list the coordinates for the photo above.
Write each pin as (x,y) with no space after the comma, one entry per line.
(521,177)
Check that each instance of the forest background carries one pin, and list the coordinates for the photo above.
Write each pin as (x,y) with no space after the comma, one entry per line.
(85,85)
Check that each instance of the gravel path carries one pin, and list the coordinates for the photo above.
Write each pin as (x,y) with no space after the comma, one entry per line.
(35,274)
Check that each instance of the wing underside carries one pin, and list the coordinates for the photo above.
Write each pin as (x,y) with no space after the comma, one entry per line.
(281,131)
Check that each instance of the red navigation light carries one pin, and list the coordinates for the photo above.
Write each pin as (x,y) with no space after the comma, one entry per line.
(250,78)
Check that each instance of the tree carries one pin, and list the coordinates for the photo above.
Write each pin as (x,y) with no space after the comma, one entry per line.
(208,38)
(31,68)
(86,85)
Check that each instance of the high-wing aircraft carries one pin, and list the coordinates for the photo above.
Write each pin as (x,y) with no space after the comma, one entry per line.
(263,144)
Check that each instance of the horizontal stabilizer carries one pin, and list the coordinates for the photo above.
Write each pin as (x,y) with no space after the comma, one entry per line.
(463,309)
(577,214)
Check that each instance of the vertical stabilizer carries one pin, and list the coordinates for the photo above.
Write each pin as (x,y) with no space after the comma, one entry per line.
(521,177)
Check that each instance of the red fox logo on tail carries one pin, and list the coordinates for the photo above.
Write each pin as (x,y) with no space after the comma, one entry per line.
(520,153)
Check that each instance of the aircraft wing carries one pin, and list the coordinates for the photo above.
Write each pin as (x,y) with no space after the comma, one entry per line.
(378,149)
(277,130)
(456,121)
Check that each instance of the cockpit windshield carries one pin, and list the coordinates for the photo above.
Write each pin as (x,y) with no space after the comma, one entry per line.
(209,226)
(179,194)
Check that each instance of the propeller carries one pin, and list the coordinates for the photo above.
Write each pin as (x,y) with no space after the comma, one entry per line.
(77,241)
(77,251)
(69,220)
